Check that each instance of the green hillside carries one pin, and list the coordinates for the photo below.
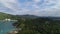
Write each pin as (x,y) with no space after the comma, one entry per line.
(27,16)
(4,15)
(31,24)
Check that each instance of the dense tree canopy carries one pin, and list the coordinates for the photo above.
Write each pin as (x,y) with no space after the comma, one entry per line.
(39,26)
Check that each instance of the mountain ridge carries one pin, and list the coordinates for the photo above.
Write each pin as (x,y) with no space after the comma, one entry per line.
(5,15)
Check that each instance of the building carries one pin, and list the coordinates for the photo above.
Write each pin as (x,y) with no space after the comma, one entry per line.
(7,19)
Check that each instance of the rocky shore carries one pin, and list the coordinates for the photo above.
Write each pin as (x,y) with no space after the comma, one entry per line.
(13,32)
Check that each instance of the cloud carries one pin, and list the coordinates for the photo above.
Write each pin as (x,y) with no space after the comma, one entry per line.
(37,1)
(33,7)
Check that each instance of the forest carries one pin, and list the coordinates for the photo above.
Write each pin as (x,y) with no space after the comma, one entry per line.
(31,24)
(39,25)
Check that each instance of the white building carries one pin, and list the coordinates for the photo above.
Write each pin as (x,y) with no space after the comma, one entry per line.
(7,19)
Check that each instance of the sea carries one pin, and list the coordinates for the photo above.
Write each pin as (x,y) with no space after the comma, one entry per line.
(6,26)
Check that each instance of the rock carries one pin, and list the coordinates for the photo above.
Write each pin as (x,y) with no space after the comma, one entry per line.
(12,32)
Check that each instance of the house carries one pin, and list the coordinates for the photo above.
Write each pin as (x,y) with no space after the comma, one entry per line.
(7,19)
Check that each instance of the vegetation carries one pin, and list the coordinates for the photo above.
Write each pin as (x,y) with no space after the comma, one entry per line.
(34,25)
(39,26)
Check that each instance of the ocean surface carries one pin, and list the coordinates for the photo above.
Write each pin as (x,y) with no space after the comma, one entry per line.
(6,26)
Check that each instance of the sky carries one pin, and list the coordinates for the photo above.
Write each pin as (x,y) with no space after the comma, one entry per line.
(31,7)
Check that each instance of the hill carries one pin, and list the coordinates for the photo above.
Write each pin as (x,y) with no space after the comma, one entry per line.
(34,24)
(27,16)
(4,15)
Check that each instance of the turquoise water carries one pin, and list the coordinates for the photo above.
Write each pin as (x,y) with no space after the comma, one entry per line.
(6,26)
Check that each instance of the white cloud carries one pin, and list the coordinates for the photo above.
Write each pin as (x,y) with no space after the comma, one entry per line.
(47,8)
(37,1)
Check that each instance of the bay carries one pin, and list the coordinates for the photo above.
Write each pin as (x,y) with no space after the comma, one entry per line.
(6,26)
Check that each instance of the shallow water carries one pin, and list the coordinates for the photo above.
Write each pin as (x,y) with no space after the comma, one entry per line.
(6,26)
